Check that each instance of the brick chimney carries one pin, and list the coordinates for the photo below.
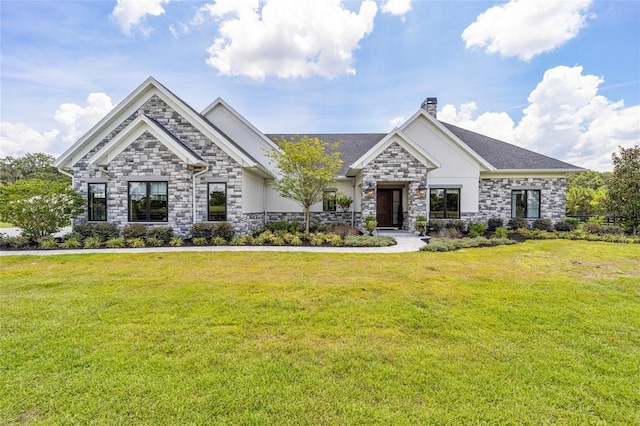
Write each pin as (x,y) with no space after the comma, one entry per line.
(431,106)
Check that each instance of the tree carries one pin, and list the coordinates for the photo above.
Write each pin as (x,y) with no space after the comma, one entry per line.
(39,207)
(31,166)
(586,193)
(624,188)
(306,166)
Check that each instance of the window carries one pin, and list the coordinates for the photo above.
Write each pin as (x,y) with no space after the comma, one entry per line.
(329,201)
(444,203)
(525,203)
(148,202)
(97,201)
(217,201)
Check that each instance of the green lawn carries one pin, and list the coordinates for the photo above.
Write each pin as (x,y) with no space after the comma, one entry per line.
(5,225)
(545,332)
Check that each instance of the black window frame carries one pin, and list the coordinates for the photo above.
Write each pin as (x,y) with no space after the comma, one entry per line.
(445,211)
(525,206)
(220,216)
(91,202)
(148,200)
(329,200)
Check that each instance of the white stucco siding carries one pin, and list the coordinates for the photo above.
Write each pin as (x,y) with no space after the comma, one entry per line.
(469,196)
(252,192)
(455,162)
(238,131)
(276,203)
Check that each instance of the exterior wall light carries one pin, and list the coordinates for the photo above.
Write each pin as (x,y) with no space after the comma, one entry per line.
(370,189)
(422,190)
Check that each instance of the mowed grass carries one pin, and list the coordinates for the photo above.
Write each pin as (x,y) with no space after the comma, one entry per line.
(545,332)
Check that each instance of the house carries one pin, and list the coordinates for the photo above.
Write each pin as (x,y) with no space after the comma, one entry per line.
(155,160)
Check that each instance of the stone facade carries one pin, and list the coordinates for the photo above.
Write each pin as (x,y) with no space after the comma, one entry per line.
(495,197)
(397,165)
(148,157)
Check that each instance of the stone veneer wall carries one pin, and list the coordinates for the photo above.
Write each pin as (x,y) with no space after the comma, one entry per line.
(495,197)
(148,157)
(395,164)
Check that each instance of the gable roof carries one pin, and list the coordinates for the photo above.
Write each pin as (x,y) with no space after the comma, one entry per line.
(505,156)
(130,105)
(133,131)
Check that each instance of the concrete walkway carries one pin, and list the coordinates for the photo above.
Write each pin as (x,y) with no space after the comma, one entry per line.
(406,242)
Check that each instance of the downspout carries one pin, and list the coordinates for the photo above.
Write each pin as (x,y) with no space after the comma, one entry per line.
(195,175)
(353,204)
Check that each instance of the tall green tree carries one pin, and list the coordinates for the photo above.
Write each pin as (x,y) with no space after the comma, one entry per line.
(40,208)
(587,192)
(624,188)
(30,166)
(306,167)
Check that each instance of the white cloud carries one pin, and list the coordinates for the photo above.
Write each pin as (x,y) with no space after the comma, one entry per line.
(566,118)
(131,14)
(17,139)
(396,7)
(526,28)
(397,121)
(286,38)
(73,121)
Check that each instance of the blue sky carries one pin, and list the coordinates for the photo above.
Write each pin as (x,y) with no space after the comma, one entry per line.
(560,77)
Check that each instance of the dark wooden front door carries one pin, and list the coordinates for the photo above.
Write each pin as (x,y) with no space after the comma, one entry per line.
(388,202)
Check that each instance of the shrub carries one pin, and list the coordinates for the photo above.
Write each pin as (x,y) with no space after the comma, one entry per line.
(295,240)
(92,242)
(564,226)
(71,241)
(199,241)
(494,223)
(47,242)
(501,232)
(365,241)
(84,230)
(154,242)
(518,223)
(458,224)
(202,230)
(114,243)
(39,207)
(477,229)
(15,242)
(224,230)
(176,242)
(436,226)
(136,242)
(134,230)
(335,240)
(105,230)
(542,224)
(450,245)
(162,233)
(370,224)
(317,240)
(573,221)
(242,240)
(219,241)
(343,230)
(613,230)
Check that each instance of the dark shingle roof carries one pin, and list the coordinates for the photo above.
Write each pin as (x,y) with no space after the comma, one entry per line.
(353,146)
(505,156)
(501,155)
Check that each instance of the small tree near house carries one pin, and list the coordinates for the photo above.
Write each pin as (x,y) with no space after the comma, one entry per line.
(623,188)
(306,166)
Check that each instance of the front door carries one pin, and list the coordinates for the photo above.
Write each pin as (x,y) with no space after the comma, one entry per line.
(389,202)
